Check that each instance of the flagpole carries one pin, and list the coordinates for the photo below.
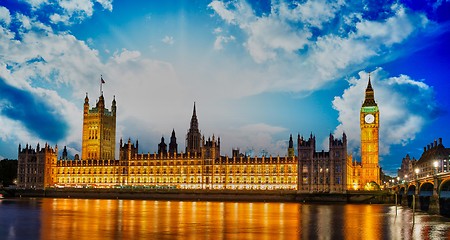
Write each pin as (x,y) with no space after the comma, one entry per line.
(101,83)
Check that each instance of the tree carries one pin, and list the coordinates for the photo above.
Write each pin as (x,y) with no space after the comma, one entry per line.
(8,172)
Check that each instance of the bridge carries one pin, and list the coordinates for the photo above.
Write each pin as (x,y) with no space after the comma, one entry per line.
(431,193)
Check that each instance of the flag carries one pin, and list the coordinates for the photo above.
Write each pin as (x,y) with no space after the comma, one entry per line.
(101,78)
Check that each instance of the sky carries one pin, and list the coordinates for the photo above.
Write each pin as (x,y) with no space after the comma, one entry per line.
(257,71)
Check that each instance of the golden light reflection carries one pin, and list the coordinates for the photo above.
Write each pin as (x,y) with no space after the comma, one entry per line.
(142,219)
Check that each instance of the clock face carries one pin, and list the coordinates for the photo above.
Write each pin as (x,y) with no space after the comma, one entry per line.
(369,118)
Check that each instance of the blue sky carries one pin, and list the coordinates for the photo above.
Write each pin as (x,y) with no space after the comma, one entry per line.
(257,70)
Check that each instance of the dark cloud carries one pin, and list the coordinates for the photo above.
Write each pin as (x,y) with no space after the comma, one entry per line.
(33,112)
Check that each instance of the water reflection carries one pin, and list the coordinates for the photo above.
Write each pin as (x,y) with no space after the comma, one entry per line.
(140,219)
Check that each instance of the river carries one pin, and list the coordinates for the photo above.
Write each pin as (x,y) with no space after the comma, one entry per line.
(92,219)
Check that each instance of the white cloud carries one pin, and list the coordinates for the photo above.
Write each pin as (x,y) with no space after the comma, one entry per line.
(5,16)
(401,100)
(57,18)
(107,4)
(77,6)
(269,35)
(25,22)
(312,13)
(221,40)
(221,9)
(36,3)
(168,40)
(70,11)
(394,29)
(126,55)
(296,57)
(258,137)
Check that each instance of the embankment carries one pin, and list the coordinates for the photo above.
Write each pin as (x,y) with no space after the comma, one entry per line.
(210,195)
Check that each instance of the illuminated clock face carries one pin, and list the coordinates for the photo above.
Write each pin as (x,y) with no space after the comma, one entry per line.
(369,118)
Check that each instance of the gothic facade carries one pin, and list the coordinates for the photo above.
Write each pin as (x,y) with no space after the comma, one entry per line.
(201,166)
(99,130)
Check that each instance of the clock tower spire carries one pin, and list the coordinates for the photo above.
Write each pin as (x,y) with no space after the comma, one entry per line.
(369,123)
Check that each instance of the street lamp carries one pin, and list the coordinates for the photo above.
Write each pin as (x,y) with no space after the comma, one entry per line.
(417,172)
(436,165)
(434,200)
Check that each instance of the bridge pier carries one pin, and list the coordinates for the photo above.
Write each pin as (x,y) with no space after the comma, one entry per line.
(405,200)
(434,205)
(417,202)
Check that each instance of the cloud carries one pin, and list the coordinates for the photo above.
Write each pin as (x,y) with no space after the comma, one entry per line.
(42,74)
(303,46)
(255,139)
(168,40)
(106,4)
(125,56)
(312,13)
(406,105)
(57,18)
(5,15)
(33,112)
(221,9)
(36,3)
(392,30)
(221,40)
(69,11)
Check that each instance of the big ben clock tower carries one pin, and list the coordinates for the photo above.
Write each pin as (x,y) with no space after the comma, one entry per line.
(369,123)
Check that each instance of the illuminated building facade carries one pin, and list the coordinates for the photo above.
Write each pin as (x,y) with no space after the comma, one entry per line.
(201,166)
(322,171)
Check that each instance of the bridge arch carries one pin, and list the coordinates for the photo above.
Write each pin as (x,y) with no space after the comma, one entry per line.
(425,193)
(444,197)
(410,194)
(401,193)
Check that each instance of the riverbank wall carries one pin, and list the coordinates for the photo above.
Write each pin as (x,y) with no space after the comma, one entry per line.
(376,197)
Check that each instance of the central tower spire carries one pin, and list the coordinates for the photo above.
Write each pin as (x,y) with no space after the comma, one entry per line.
(194,120)
(193,136)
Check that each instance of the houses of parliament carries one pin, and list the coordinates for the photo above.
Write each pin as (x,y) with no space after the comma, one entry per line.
(201,166)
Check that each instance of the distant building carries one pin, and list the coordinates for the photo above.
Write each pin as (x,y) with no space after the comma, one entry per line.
(435,159)
(36,167)
(201,166)
(407,168)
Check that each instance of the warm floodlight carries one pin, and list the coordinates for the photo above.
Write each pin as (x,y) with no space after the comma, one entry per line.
(436,164)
